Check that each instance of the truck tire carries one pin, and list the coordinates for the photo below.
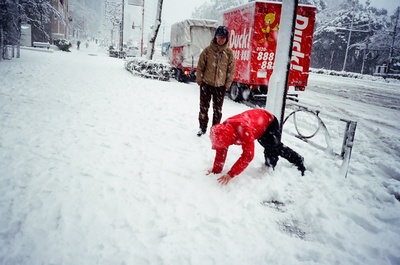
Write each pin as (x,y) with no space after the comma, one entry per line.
(246,93)
(180,76)
(173,72)
(235,92)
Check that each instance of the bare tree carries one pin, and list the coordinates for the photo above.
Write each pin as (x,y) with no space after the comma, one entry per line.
(38,13)
(85,20)
(113,17)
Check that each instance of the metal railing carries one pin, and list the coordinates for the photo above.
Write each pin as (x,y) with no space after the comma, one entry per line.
(348,136)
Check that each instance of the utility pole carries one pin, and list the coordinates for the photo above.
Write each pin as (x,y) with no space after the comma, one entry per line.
(139,3)
(18,30)
(365,53)
(348,40)
(121,28)
(141,40)
(279,81)
(393,39)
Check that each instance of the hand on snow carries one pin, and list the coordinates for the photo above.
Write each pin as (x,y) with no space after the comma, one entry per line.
(224,179)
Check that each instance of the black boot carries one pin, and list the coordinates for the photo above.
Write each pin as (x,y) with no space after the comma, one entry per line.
(201,132)
(301,168)
(293,157)
(271,156)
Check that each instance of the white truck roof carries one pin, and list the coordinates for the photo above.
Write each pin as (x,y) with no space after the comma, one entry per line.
(181,32)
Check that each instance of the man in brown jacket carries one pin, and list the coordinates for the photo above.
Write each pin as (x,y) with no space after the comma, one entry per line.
(215,71)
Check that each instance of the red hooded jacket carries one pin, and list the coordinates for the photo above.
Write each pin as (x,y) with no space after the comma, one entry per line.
(242,129)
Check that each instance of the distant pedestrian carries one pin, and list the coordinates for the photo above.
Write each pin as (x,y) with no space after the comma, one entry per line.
(78,43)
(215,70)
(243,129)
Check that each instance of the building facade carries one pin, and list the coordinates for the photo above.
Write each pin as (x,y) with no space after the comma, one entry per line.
(60,22)
(49,24)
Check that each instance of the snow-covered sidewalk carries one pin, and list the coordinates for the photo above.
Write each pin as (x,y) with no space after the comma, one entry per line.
(98,166)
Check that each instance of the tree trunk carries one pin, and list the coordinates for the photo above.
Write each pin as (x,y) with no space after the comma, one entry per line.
(1,43)
(18,30)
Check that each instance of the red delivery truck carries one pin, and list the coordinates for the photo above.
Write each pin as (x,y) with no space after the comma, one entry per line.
(253,35)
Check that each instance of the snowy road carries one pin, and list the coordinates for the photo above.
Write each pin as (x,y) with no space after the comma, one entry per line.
(373,104)
(380,94)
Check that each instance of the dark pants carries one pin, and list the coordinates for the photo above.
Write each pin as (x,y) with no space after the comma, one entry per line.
(217,95)
(273,148)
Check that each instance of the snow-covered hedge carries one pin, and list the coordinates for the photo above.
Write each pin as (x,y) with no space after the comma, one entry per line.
(148,68)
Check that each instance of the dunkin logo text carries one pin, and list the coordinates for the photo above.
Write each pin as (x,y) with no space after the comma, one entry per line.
(301,24)
(240,44)
(240,41)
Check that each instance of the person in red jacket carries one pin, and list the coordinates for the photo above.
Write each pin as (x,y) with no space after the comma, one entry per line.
(243,129)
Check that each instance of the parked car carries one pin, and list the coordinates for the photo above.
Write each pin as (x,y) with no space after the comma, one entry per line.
(113,52)
(132,51)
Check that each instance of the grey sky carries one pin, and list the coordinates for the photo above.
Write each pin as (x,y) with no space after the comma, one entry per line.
(390,5)
(178,10)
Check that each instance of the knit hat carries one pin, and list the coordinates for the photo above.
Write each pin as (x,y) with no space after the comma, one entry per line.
(221,31)
(222,135)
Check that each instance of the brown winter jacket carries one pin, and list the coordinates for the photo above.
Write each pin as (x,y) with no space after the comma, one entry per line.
(216,66)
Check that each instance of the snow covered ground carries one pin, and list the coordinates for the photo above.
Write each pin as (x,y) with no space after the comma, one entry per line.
(98,166)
